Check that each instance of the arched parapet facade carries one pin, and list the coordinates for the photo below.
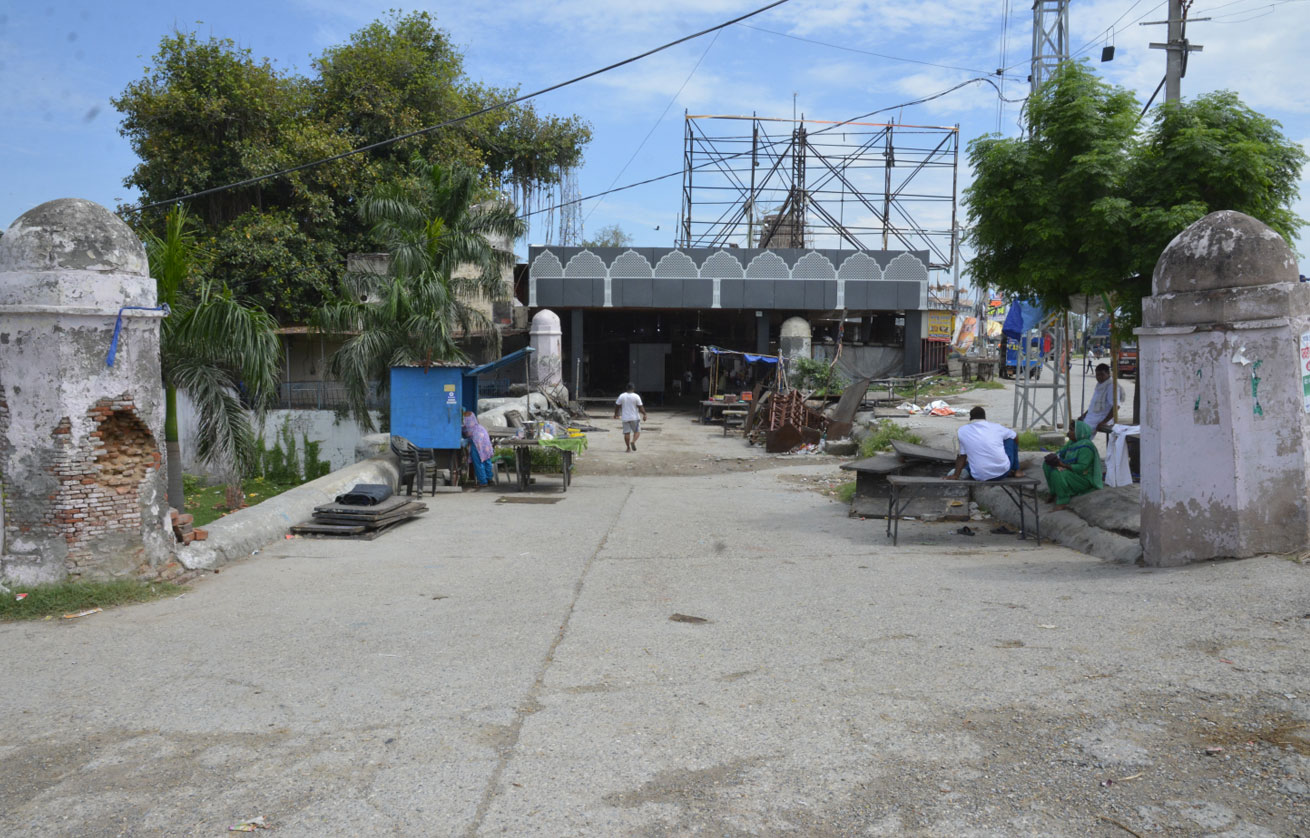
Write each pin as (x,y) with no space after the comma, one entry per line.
(546,266)
(728,277)
(631,272)
(768,265)
(907,268)
(588,266)
(857,268)
(813,266)
(676,265)
(721,267)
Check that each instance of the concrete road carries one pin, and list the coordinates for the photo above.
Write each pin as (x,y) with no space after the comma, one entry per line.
(716,654)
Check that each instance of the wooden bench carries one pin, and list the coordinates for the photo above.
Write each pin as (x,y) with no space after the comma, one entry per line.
(904,489)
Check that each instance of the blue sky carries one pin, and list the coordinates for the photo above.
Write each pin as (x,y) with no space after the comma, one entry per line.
(61,62)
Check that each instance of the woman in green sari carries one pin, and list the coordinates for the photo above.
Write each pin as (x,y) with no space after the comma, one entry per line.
(1075,469)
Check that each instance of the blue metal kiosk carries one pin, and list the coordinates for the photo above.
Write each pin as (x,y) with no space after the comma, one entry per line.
(428,402)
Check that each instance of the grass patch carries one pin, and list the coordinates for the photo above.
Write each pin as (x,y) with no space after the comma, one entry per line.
(988,385)
(208,504)
(845,492)
(880,439)
(57,599)
(1028,441)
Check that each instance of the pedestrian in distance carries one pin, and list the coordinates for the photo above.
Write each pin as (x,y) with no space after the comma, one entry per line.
(629,409)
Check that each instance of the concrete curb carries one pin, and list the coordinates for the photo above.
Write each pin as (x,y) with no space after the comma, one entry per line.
(241,533)
(1064,527)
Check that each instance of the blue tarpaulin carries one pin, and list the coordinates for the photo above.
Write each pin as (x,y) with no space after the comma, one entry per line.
(768,359)
(1024,315)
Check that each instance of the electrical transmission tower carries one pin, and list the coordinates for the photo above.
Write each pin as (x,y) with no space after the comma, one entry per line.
(1050,39)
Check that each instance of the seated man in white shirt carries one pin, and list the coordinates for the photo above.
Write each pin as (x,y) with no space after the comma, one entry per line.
(1100,411)
(988,451)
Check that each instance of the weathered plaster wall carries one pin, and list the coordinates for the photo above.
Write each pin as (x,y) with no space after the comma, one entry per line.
(337,436)
(66,268)
(1225,431)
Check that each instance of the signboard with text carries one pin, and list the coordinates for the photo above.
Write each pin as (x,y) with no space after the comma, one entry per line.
(941,325)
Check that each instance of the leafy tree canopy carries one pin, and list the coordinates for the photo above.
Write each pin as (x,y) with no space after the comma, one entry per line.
(609,236)
(1086,203)
(208,113)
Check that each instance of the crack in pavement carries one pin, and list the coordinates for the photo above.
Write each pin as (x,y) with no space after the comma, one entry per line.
(529,702)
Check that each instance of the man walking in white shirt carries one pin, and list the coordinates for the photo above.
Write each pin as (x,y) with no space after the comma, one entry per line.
(988,451)
(629,408)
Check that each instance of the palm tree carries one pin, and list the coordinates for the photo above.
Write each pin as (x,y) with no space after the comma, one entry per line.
(417,311)
(222,352)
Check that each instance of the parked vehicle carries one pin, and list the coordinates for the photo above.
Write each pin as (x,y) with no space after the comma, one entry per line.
(1128,360)
(1031,366)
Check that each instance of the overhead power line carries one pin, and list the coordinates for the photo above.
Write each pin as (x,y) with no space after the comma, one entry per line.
(458,119)
(663,114)
(862,51)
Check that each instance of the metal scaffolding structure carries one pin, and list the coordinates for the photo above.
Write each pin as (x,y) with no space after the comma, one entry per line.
(1041,379)
(750,181)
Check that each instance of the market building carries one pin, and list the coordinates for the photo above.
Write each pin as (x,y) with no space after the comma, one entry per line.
(644,314)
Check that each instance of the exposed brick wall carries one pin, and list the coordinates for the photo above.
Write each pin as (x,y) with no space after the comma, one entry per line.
(99,482)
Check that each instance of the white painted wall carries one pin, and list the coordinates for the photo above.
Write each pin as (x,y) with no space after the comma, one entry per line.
(337,438)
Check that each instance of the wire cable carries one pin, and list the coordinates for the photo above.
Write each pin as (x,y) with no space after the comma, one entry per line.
(663,114)
(861,51)
(456,120)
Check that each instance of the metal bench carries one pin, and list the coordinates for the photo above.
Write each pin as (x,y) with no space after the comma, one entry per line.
(1021,490)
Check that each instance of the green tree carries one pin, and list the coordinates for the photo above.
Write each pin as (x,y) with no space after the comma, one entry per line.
(1047,212)
(1196,157)
(208,113)
(419,310)
(275,263)
(1085,204)
(214,348)
(611,235)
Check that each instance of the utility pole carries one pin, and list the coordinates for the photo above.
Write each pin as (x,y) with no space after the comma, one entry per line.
(1176,48)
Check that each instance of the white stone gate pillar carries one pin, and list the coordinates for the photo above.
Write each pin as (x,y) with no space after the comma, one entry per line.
(1223,367)
(81,463)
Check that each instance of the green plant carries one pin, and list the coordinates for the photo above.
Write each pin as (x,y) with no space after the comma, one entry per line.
(222,352)
(988,385)
(1028,441)
(544,460)
(71,596)
(882,435)
(284,464)
(314,468)
(845,492)
(192,483)
(820,377)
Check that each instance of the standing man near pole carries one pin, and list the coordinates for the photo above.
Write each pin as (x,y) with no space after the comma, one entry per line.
(631,411)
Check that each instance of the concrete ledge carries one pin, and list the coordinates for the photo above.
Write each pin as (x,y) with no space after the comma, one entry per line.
(241,533)
(1064,527)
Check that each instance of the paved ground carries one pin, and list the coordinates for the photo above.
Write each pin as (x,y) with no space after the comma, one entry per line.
(520,669)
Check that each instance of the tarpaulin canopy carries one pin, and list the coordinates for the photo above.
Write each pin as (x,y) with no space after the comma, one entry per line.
(1023,317)
(768,359)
